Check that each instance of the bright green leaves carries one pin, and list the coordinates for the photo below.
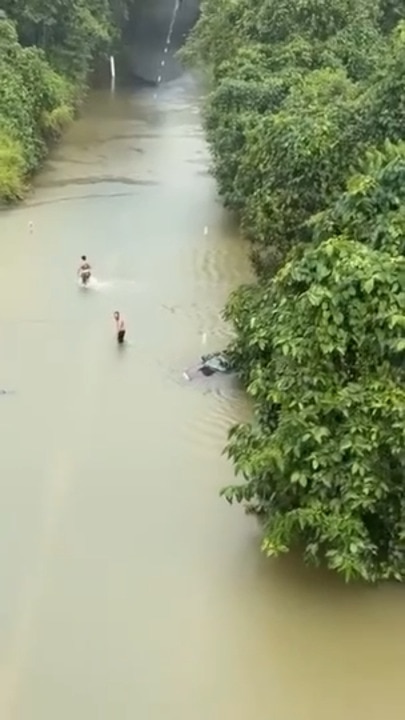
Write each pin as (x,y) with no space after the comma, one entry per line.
(44,59)
(305,122)
(283,120)
(218,33)
(30,92)
(324,462)
(288,116)
(69,33)
(295,160)
(384,101)
(277,20)
(340,306)
(12,168)
(372,210)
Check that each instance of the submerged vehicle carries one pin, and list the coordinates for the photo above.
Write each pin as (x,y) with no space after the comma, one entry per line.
(217,362)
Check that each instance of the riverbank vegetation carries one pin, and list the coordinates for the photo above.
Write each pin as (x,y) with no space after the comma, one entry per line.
(306,124)
(47,50)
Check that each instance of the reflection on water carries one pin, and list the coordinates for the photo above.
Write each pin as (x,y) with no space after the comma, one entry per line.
(129,589)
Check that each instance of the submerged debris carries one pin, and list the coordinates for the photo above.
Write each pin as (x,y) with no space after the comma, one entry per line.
(216,362)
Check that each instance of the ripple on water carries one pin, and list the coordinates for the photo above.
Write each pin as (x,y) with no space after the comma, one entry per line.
(129,286)
(95,180)
(219,261)
(225,404)
(209,431)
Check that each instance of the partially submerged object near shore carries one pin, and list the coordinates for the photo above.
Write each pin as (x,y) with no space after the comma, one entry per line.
(212,363)
(216,362)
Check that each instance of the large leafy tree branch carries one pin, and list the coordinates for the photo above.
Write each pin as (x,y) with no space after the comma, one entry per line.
(305,121)
(322,348)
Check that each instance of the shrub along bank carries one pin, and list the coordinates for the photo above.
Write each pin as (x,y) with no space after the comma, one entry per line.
(46,52)
(306,123)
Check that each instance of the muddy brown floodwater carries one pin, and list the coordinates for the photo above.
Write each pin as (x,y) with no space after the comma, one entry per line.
(129,590)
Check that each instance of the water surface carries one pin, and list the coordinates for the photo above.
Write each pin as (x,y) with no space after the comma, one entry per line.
(129,590)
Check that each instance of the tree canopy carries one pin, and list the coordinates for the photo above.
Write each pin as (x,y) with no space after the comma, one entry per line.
(305,120)
(46,52)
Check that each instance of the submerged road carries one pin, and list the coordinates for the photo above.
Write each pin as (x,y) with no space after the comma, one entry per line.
(128,589)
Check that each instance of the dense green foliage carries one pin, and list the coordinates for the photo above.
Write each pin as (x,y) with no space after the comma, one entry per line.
(305,120)
(46,52)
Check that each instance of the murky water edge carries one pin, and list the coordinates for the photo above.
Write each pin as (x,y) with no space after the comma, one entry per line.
(129,589)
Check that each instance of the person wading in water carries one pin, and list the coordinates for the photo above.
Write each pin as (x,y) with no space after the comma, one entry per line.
(84,270)
(120,327)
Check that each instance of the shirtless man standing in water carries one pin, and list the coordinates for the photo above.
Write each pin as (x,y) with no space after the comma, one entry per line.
(120,326)
(84,270)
